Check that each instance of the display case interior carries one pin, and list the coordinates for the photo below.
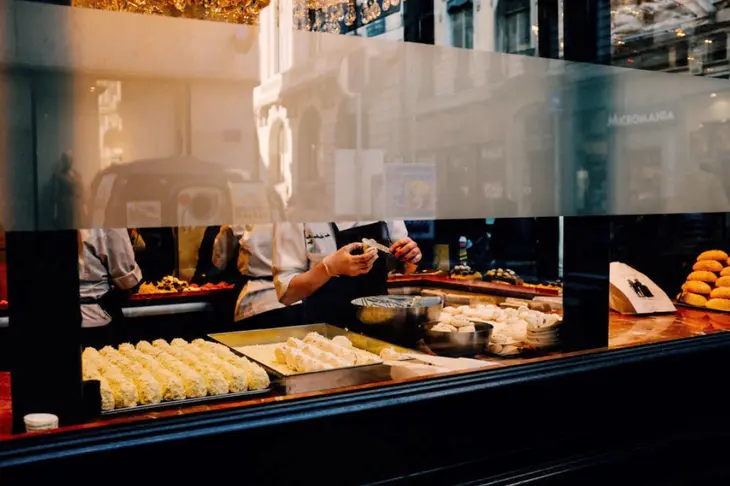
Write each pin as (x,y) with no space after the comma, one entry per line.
(467,273)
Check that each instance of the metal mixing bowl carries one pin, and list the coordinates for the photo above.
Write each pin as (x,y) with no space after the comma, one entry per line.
(458,344)
(402,324)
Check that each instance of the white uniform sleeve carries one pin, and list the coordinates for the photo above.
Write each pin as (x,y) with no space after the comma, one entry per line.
(397,230)
(119,255)
(289,255)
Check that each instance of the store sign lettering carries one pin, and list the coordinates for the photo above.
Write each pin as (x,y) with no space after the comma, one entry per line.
(634,119)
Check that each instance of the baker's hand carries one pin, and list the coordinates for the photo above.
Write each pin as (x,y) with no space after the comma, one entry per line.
(343,262)
(406,250)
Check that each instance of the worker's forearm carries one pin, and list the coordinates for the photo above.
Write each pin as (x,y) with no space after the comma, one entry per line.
(305,284)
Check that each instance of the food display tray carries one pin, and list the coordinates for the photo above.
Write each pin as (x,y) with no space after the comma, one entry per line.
(475,286)
(316,380)
(700,309)
(186,402)
(154,299)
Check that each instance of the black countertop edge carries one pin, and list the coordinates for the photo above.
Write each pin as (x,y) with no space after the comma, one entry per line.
(27,450)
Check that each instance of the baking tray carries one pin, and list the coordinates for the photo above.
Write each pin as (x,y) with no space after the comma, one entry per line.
(185,402)
(317,380)
(678,303)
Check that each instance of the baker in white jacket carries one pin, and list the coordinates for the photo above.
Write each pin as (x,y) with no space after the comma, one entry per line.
(323,265)
(252,245)
(107,271)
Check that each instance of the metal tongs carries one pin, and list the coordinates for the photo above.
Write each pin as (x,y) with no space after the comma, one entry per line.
(370,243)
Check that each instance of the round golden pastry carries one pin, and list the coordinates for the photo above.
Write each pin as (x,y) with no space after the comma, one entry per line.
(708,266)
(694,299)
(725,272)
(718,255)
(719,304)
(723,282)
(702,276)
(721,293)
(697,287)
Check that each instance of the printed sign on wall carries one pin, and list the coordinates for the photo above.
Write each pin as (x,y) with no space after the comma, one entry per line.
(410,191)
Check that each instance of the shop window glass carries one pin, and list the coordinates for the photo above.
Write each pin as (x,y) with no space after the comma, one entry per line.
(482,176)
(462,26)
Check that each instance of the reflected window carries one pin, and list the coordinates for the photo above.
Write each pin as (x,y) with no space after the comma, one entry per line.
(461,14)
(277,150)
(717,47)
(516,27)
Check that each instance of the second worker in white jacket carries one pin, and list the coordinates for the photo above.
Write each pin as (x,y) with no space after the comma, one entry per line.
(257,304)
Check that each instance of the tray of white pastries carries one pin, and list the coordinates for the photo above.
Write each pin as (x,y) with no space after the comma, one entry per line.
(133,379)
(316,356)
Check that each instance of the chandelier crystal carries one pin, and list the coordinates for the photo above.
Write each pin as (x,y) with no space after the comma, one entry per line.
(232,11)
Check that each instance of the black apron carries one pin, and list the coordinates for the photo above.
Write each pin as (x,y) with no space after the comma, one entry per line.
(113,333)
(331,304)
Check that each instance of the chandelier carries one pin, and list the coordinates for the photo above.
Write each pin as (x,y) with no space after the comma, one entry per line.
(332,15)
(232,11)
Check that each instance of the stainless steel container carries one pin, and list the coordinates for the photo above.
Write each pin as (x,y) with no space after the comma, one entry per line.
(295,383)
(458,344)
(397,318)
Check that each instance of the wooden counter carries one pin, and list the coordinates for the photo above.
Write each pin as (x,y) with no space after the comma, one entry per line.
(624,331)
(473,286)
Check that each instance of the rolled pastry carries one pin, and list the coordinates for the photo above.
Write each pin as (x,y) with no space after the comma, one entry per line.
(215,381)
(161,343)
(195,384)
(147,348)
(342,341)
(179,342)
(107,396)
(326,345)
(124,392)
(172,385)
(257,377)
(148,388)
(723,282)
(390,354)
(279,356)
(295,343)
(236,378)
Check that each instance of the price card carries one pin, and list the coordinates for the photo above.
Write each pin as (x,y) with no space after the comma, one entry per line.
(632,292)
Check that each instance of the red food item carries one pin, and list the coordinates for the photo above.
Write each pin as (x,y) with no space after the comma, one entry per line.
(218,286)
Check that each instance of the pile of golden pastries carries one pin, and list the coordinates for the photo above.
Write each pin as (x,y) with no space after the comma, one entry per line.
(709,283)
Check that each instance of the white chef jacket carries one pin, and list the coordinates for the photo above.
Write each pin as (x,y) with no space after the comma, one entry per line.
(300,246)
(106,258)
(254,260)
